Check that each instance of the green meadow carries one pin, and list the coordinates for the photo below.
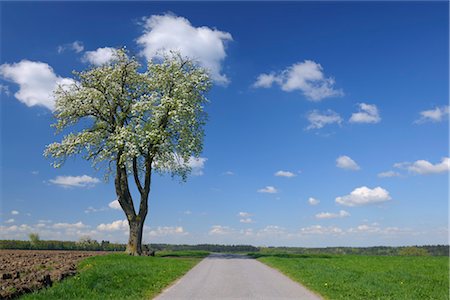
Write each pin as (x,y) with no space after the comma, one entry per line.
(120,276)
(367,277)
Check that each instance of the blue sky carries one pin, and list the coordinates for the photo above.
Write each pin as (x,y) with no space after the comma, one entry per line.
(328,122)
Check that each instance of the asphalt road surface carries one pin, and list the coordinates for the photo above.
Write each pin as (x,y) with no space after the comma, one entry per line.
(225,276)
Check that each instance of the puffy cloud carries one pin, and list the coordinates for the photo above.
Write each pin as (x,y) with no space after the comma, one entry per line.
(166,230)
(75,181)
(115,204)
(284,174)
(243,214)
(9,221)
(14,212)
(345,162)
(327,215)
(76,46)
(36,81)
(266,80)
(114,226)
(388,174)
(91,209)
(306,77)
(313,201)
(164,33)
(220,230)
(424,167)
(246,220)
(318,229)
(197,164)
(363,196)
(4,89)
(437,114)
(318,120)
(78,225)
(100,56)
(272,230)
(368,113)
(229,173)
(268,189)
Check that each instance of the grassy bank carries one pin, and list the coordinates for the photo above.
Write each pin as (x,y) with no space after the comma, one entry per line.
(368,277)
(119,276)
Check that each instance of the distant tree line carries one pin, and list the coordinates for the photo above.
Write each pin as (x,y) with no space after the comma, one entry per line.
(89,244)
(433,250)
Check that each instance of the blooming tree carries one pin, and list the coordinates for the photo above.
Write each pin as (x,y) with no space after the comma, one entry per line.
(134,122)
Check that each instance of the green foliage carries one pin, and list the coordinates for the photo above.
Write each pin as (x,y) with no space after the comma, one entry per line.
(118,276)
(413,251)
(369,277)
(34,238)
(157,115)
(186,253)
(434,250)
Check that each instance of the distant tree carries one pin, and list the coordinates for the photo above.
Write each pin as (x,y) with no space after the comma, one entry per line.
(413,251)
(134,122)
(34,238)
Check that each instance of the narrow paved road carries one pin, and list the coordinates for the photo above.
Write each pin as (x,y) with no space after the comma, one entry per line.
(225,276)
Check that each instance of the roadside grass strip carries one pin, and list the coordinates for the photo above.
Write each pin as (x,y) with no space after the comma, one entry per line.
(119,276)
(368,277)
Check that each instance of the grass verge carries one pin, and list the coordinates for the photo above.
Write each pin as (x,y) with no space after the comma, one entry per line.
(119,276)
(368,277)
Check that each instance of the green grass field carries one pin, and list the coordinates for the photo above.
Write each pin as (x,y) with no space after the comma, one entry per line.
(367,277)
(119,276)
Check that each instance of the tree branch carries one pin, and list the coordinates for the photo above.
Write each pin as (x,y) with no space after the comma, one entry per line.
(136,176)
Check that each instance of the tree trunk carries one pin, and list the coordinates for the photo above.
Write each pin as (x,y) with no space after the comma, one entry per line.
(134,246)
(135,221)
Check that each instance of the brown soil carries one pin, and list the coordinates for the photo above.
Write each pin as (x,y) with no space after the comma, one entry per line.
(24,271)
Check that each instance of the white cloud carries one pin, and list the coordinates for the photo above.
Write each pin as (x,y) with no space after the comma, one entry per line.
(197,164)
(220,230)
(187,212)
(268,189)
(100,56)
(35,172)
(78,225)
(306,76)
(9,221)
(76,46)
(318,120)
(4,89)
(36,81)
(368,113)
(437,114)
(284,174)
(327,215)
(313,201)
(229,173)
(246,220)
(272,230)
(114,226)
(243,214)
(115,204)
(266,80)
(91,209)
(14,212)
(345,162)
(164,33)
(363,196)
(75,181)
(388,174)
(166,230)
(318,229)
(424,167)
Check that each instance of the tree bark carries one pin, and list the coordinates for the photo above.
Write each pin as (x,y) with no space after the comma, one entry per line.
(134,246)
(135,221)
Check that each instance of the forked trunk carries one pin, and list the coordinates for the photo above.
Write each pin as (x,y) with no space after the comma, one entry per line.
(134,246)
